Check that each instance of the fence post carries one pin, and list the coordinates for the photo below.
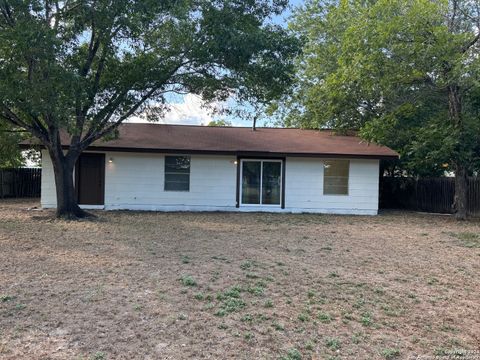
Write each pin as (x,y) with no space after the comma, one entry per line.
(1,183)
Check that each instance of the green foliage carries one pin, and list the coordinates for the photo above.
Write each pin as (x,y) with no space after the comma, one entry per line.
(292,354)
(98,356)
(230,301)
(199,296)
(366,319)
(233,292)
(268,303)
(220,122)
(230,305)
(5,298)
(390,353)
(20,306)
(188,280)
(10,154)
(247,318)
(333,274)
(248,336)
(256,290)
(83,67)
(390,69)
(324,317)
(278,326)
(303,317)
(333,343)
(92,66)
(247,264)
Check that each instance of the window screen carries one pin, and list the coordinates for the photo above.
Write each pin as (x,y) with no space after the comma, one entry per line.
(177,173)
(335,177)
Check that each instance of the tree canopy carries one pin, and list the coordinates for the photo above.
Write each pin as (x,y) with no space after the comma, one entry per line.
(402,73)
(220,122)
(10,154)
(83,67)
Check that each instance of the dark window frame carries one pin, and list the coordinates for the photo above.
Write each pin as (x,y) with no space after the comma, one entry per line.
(169,173)
(261,160)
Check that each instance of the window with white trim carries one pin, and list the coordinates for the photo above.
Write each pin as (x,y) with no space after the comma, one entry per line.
(177,173)
(335,177)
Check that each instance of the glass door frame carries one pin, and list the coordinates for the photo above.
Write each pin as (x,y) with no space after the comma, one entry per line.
(261,161)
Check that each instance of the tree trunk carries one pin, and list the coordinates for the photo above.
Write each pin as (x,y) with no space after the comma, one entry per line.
(63,166)
(455,109)
(461,184)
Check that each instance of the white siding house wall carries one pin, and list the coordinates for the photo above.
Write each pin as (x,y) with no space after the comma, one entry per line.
(304,188)
(48,196)
(136,181)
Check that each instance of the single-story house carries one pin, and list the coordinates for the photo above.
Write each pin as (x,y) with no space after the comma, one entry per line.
(201,168)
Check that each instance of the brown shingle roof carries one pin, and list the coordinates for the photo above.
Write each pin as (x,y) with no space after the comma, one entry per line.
(205,139)
(240,141)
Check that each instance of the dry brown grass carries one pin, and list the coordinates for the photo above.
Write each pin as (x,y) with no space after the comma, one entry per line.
(222,285)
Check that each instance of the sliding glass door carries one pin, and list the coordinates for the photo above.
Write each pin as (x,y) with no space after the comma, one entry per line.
(261,182)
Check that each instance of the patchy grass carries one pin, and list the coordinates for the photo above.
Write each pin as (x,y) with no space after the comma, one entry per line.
(467,239)
(390,353)
(186,259)
(333,343)
(188,280)
(230,301)
(6,298)
(324,317)
(98,356)
(292,354)
(268,303)
(217,285)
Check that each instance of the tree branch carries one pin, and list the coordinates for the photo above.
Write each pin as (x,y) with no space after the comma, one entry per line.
(454,14)
(116,123)
(471,43)
(7,13)
(36,130)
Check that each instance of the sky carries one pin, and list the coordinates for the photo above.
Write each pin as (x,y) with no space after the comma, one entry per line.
(190,110)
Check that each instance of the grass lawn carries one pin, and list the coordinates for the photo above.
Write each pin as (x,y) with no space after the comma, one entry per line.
(134,285)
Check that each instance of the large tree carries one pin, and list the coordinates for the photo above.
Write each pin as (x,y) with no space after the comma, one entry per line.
(404,73)
(84,66)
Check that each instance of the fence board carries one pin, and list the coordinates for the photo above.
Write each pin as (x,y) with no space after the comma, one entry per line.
(22,182)
(429,194)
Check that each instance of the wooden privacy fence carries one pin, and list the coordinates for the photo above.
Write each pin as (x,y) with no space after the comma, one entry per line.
(429,194)
(22,182)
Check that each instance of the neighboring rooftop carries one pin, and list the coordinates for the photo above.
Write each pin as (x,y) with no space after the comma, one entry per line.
(239,141)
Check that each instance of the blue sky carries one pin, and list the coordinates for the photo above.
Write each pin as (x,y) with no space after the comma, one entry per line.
(189,109)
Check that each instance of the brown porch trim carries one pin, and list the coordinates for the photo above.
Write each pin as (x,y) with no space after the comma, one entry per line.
(237,190)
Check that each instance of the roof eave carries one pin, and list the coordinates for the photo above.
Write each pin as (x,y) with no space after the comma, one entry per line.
(241,153)
(238,153)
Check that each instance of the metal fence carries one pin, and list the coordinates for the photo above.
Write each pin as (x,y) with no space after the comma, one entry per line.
(429,194)
(18,183)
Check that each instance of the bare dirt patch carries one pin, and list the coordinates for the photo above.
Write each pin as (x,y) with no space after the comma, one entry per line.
(134,285)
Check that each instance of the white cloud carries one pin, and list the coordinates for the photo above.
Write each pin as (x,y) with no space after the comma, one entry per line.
(190,111)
